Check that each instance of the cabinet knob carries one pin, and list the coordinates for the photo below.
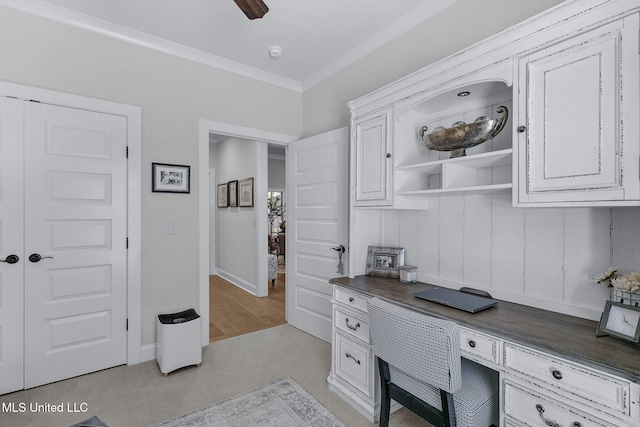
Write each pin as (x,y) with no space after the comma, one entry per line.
(556,374)
(472,344)
(388,155)
(521,129)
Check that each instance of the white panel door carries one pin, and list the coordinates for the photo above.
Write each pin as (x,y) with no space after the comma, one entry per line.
(75,219)
(11,244)
(317,214)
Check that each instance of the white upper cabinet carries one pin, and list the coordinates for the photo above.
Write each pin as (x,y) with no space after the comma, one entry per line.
(569,80)
(371,151)
(577,120)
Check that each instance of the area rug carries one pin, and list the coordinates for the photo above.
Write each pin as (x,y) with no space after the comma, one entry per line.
(281,404)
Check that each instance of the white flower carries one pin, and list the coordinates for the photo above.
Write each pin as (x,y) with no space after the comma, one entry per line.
(606,277)
(627,282)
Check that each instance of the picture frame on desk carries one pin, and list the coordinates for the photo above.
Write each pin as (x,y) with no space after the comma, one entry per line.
(620,321)
(384,261)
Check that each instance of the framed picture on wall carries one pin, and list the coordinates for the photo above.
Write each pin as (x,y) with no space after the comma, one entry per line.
(245,192)
(170,178)
(233,193)
(223,195)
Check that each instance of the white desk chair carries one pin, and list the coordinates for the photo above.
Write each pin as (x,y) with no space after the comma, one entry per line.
(421,368)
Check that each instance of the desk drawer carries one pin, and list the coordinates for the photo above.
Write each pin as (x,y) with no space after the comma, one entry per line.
(577,382)
(350,298)
(479,345)
(353,363)
(352,325)
(536,409)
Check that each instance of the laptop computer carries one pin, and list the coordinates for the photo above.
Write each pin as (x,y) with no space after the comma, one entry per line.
(456,299)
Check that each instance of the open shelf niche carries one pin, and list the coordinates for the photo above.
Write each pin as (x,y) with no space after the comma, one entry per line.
(420,173)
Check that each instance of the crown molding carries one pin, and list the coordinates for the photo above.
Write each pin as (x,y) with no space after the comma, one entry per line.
(118,32)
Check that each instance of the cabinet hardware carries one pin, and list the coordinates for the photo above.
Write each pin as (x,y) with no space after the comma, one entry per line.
(351,357)
(556,374)
(388,155)
(353,328)
(521,129)
(550,423)
(472,344)
(11,259)
(350,299)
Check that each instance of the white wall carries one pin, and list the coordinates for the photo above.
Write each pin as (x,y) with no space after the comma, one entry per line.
(277,174)
(174,94)
(236,226)
(543,257)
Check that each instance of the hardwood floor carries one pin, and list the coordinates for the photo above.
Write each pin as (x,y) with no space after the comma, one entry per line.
(233,311)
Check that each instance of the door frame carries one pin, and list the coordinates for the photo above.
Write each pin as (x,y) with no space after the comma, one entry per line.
(207,127)
(134,185)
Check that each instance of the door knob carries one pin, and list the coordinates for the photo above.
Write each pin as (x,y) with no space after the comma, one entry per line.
(11,259)
(341,249)
(37,257)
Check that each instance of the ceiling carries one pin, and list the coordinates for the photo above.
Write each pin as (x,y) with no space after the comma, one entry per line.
(318,38)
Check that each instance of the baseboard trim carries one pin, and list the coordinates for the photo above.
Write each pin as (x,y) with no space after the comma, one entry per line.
(242,284)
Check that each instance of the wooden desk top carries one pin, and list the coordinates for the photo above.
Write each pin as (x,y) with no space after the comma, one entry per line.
(566,336)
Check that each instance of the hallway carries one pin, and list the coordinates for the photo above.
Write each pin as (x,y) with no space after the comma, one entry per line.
(232,311)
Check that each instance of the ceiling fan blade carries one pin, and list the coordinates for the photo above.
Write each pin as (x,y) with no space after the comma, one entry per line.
(252,8)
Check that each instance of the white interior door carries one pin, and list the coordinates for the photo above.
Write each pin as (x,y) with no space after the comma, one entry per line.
(75,218)
(317,222)
(11,244)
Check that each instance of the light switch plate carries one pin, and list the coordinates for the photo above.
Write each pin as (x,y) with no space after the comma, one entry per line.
(170,227)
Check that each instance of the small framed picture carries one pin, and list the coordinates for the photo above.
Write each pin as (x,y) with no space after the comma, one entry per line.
(170,178)
(620,321)
(223,195)
(245,192)
(233,193)
(384,262)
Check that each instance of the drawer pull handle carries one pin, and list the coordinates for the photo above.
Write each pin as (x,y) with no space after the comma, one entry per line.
(472,344)
(350,299)
(550,423)
(556,374)
(353,328)
(348,355)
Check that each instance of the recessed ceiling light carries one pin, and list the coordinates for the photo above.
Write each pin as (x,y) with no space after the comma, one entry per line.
(275,52)
(464,93)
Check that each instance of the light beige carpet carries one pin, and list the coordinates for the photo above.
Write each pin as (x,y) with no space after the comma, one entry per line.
(140,396)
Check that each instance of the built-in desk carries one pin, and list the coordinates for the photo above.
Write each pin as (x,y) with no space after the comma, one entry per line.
(551,365)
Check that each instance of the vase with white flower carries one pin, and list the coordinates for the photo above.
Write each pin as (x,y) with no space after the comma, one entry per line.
(625,288)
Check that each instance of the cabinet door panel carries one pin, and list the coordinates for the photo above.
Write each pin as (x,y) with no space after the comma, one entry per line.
(571,99)
(372,154)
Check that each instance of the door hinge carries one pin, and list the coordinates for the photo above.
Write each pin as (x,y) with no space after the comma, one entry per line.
(127,325)
(127,243)
(127,152)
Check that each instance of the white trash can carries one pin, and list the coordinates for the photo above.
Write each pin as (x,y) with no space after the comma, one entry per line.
(178,340)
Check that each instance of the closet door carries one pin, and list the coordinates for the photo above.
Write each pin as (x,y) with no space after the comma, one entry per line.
(11,243)
(75,210)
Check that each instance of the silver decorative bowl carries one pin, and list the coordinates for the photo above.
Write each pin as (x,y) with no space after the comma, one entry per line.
(464,135)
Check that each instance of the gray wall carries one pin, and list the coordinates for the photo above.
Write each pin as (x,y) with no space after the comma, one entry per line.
(174,95)
(461,25)
(236,226)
